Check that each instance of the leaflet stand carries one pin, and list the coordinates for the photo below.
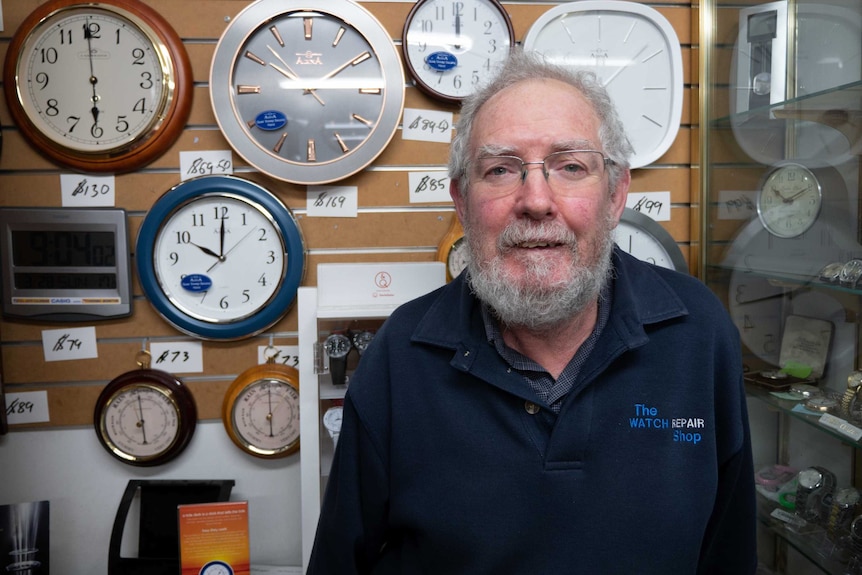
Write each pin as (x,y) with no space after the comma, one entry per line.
(158,539)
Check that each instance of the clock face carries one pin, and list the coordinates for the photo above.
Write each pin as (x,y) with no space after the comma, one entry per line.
(337,345)
(458,258)
(145,417)
(755,308)
(307,95)
(98,87)
(636,56)
(220,257)
(453,46)
(789,201)
(216,568)
(265,417)
(644,238)
(332,418)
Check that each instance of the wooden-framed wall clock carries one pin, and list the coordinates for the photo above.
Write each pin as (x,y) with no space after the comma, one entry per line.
(307,92)
(451,47)
(145,417)
(634,52)
(220,257)
(103,86)
(260,411)
(453,250)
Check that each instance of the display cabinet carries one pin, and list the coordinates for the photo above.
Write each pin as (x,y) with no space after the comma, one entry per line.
(781,136)
(337,320)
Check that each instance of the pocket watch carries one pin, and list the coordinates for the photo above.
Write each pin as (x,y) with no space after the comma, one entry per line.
(646,239)
(145,417)
(634,52)
(260,411)
(220,257)
(452,46)
(307,92)
(98,86)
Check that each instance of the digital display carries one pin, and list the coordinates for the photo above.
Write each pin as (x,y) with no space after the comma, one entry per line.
(63,281)
(49,248)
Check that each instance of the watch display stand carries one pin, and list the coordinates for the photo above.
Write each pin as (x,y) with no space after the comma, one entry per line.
(157,528)
(349,298)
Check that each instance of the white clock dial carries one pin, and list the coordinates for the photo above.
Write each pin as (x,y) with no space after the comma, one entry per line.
(141,420)
(266,415)
(219,258)
(452,46)
(789,201)
(458,257)
(644,238)
(635,54)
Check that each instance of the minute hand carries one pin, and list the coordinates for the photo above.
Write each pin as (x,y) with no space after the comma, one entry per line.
(353,62)
(621,68)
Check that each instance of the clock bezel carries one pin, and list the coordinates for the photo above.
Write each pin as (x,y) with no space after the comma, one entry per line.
(657,234)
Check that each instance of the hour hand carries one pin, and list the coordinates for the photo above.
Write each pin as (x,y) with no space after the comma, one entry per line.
(207,251)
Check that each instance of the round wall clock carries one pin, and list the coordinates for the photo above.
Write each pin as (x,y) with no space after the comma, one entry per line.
(634,52)
(145,417)
(646,239)
(453,250)
(260,411)
(101,86)
(452,46)
(307,92)
(789,201)
(220,257)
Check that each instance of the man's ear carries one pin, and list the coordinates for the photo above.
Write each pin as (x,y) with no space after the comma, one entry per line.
(457,198)
(618,199)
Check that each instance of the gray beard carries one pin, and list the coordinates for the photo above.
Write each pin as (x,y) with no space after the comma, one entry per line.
(540,307)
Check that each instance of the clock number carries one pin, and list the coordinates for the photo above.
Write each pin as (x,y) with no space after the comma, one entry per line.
(42,80)
(141,106)
(138,55)
(147,82)
(49,55)
(122,125)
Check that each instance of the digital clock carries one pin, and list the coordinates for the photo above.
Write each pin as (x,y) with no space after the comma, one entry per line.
(65,264)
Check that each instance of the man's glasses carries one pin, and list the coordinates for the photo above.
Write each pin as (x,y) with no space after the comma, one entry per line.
(567,172)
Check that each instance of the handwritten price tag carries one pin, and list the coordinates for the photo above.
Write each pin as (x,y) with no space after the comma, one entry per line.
(79,191)
(654,204)
(426,125)
(284,354)
(206,163)
(429,187)
(332,201)
(27,407)
(67,344)
(736,205)
(177,356)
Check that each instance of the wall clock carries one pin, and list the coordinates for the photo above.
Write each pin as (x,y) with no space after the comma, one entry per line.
(453,250)
(260,411)
(220,257)
(789,200)
(646,239)
(100,86)
(145,417)
(451,47)
(307,92)
(634,52)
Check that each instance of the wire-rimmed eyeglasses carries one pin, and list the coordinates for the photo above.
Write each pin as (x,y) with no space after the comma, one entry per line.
(567,171)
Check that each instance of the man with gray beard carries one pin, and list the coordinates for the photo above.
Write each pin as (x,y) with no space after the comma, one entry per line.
(560,407)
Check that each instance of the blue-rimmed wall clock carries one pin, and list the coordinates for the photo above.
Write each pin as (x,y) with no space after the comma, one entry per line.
(220,257)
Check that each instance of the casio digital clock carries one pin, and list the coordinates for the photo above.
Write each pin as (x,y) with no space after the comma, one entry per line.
(65,264)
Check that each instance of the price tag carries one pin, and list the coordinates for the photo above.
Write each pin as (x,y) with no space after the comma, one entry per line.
(285,354)
(653,204)
(332,201)
(177,356)
(86,191)
(68,344)
(426,125)
(27,407)
(736,205)
(429,187)
(206,163)
(841,426)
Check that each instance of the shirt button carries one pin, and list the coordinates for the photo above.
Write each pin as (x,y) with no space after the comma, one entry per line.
(531,407)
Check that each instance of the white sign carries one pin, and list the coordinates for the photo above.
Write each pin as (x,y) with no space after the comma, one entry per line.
(426,125)
(736,205)
(283,354)
(429,187)
(27,407)
(205,163)
(68,344)
(87,191)
(653,204)
(332,201)
(177,356)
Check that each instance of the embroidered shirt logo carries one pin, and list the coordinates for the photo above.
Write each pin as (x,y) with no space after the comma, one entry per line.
(685,429)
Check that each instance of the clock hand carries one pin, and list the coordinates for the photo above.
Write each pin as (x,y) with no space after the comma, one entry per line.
(141,420)
(207,251)
(221,240)
(269,415)
(353,62)
(289,73)
(797,194)
(93,80)
(223,257)
(458,29)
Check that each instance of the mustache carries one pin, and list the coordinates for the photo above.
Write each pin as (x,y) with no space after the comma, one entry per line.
(521,232)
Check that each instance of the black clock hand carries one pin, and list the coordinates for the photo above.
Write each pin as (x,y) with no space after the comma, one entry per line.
(223,257)
(221,240)
(458,29)
(207,251)
(141,420)
(269,415)
(93,80)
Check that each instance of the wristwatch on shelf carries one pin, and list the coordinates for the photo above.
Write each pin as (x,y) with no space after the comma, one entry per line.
(337,346)
(814,483)
(821,404)
(361,340)
(854,383)
(831,272)
(843,509)
(850,273)
(332,422)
